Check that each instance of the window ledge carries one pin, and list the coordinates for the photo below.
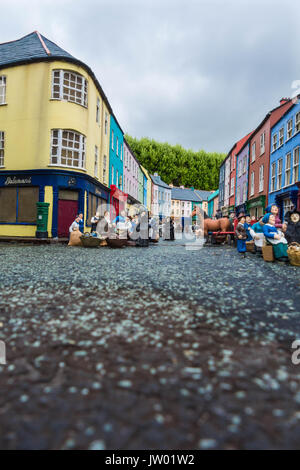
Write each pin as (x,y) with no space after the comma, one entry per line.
(67,101)
(3,104)
(56,165)
(2,166)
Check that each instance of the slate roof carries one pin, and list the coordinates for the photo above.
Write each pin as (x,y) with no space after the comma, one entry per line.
(159,182)
(203,195)
(34,47)
(30,48)
(185,194)
(213,195)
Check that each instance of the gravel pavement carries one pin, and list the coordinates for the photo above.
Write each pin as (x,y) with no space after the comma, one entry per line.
(147,348)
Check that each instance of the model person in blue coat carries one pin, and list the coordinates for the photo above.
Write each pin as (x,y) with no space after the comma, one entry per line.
(275,237)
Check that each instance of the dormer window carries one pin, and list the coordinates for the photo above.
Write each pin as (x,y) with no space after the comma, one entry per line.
(2,90)
(69,86)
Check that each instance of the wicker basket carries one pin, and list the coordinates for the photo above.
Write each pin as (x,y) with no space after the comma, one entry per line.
(250,246)
(268,253)
(90,242)
(294,253)
(116,242)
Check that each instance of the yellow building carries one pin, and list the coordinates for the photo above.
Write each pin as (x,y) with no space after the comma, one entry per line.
(149,188)
(54,137)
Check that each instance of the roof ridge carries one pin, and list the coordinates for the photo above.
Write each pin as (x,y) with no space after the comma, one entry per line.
(43,43)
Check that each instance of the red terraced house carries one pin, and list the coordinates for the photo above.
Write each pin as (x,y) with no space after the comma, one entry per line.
(259,161)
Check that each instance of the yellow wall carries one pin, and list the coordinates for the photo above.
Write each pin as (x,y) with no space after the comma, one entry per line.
(30,114)
(17,230)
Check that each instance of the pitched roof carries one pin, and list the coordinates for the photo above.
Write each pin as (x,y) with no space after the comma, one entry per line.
(34,47)
(31,47)
(213,195)
(203,195)
(159,182)
(184,194)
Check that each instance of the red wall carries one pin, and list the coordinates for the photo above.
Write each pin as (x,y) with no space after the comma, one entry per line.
(265,158)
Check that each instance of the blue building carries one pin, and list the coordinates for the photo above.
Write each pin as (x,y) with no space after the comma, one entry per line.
(212,204)
(116,148)
(284,161)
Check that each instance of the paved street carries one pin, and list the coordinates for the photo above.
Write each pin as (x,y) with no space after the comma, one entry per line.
(158,348)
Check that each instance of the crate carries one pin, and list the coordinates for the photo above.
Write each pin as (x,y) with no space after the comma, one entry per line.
(268,253)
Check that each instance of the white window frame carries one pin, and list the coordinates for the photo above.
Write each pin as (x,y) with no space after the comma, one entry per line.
(262,143)
(261,179)
(287,205)
(98,108)
(279,174)
(273,176)
(295,177)
(69,92)
(104,168)
(96,165)
(112,174)
(274,142)
(297,123)
(252,183)
(106,123)
(245,191)
(253,152)
(244,164)
(232,187)
(289,128)
(2,89)
(117,146)
(57,142)
(281,137)
(2,144)
(112,140)
(287,172)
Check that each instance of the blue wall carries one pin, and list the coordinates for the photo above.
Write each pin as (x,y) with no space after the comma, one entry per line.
(290,190)
(115,160)
(221,185)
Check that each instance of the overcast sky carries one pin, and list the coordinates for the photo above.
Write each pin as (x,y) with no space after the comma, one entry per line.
(198,73)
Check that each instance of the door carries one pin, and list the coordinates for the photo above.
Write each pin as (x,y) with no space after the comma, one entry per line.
(67,211)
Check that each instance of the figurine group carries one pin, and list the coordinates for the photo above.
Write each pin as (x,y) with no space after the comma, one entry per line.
(268,230)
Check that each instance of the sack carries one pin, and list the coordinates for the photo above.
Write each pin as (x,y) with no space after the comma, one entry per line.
(267,252)
(294,253)
(75,238)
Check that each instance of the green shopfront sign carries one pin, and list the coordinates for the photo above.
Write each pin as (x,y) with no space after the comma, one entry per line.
(257,202)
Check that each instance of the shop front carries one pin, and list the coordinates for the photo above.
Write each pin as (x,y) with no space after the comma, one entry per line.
(287,200)
(241,208)
(118,200)
(68,193)
(256,206)
(132,206)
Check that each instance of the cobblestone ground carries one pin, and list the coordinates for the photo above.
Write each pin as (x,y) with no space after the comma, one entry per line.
(158,348)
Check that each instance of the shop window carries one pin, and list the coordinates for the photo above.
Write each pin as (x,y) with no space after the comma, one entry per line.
(18,205)
(69,86)
(1,149)
(27,199)
(95,204)
(67,148)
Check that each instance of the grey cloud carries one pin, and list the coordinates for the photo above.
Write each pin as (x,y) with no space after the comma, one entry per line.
(199,73)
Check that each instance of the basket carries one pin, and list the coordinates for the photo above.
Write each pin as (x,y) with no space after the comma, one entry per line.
(268,253)
(250,246)
(90,242)
(116,242)
(294,253)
